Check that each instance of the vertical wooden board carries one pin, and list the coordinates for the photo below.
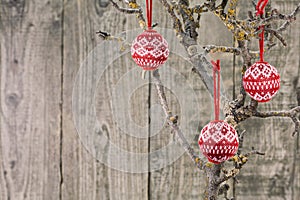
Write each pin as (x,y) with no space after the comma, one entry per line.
(84,177)
(30,99)
(275,174)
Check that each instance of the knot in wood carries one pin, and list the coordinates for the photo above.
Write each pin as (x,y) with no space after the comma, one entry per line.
(194,50)
(12,100)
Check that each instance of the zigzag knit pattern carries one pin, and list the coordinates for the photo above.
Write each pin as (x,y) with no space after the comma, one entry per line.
(149,50)
(261,81)
(218,141)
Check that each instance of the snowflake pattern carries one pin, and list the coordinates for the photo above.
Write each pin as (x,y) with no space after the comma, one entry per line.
(149,50)
(261,81)
(218,141)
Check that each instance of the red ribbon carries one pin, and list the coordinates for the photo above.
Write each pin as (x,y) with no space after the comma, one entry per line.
(216,69)
(149,13)
(261,4)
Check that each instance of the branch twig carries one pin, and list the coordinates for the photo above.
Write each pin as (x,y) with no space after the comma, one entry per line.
(224,49)
(290,113)
(239,161)
(173,123)
(177,25)
(134,8)
(125,10)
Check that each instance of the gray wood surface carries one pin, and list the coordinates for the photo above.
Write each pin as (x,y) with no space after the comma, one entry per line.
(42,156)
(31,57)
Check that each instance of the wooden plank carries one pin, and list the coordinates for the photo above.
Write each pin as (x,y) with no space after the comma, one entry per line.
(30,112)
(30,99)
(84,177)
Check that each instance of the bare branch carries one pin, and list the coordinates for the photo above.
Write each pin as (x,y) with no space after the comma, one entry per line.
(239,162)
(107,36)
(223,49)
(125,10)
(277,35)
(292,15)
(134,8)
(104,35)
(223,4)
(189,23)
(176,22)
(173,123)
(293,113)
(232,9)
(199,62)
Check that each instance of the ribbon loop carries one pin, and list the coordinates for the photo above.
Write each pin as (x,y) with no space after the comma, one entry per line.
(261,4)
(149,13)
(216,69)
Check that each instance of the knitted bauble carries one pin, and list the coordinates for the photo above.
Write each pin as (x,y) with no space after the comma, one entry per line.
(218,141)
(149,50)
(261,81)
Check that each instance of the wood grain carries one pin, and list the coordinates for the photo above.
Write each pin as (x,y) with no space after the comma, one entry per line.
(30,99)
(43,44)
(87,178)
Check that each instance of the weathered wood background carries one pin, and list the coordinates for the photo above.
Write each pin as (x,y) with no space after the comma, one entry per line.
(41,157)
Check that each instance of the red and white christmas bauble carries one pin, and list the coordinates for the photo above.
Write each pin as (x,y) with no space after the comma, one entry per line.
(149,50)
(261,81)
(218,141)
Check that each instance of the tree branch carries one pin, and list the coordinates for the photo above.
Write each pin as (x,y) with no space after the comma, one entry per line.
(176,22)
(107,36)
(293,113)
(223,49)
(125,10)
(239,162)
(287,23)
(134,8)
(236,111)
(172,121)
(200,63)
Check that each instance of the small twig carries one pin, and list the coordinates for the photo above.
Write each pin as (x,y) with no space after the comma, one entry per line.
(241,141)
(103,35)
(107,36)
(293,113)
(223,4)
(189,23)
(277,35)
(224,49)
(199,62)
(292,15)
(232,9)
(173,123)
(125,10)
(176,22)
(278,16)
(134,8)
(239,162)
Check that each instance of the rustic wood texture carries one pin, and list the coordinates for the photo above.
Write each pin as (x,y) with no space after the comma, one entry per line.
(87,178)
(30,99)
(43,44)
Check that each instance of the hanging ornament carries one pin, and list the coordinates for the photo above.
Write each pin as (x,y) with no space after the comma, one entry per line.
(218,140)
(261,81)
(149,49)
